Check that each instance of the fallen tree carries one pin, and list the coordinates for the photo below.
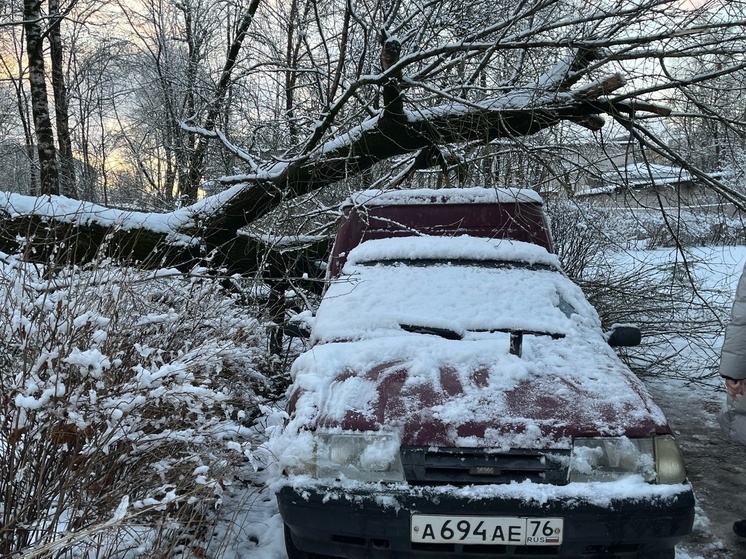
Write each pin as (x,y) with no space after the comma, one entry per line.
(209,231)
(433,98)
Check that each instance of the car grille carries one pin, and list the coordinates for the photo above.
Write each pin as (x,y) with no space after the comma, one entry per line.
(458,466)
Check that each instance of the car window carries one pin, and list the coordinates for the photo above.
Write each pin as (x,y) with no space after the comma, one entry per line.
(373,298)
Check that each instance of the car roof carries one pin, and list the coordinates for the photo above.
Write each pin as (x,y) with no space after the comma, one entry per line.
(505,213)
(472,195)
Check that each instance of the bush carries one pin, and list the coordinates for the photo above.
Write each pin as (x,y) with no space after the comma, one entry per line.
(668,293)
(125,401)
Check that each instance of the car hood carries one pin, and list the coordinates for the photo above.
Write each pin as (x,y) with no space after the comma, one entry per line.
(472,393)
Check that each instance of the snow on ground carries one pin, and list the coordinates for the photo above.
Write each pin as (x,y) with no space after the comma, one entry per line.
(251,527)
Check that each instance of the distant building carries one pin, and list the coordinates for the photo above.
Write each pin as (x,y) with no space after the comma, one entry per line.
(625,175)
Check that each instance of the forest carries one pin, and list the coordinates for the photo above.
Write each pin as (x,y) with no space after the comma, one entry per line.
(170,178)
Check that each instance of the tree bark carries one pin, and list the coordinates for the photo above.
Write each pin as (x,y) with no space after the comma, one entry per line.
(48,173)
(67,179)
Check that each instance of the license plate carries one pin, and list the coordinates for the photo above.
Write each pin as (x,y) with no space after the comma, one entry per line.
(488,530)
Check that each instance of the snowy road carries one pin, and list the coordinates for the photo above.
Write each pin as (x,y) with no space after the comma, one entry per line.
(715,465)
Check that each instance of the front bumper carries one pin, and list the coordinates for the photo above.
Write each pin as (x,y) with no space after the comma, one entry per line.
(374,523)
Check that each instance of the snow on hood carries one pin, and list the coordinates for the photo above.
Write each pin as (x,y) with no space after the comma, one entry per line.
(367,373)
(472,393)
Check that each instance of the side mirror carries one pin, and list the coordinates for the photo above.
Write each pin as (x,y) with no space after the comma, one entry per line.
(296,330)
(624,335)
(299,326)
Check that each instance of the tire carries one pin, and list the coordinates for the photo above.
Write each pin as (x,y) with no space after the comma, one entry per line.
(295,553)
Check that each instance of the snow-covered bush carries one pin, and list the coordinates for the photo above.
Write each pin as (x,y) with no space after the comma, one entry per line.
(582,233)
(125,400)
(616,256)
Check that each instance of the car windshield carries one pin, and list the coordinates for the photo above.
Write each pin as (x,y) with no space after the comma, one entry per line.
(459,296)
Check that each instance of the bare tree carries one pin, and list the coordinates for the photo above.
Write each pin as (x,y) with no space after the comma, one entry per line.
(471,83)
(215,107)
(14,70)
(61,102)
(33,25)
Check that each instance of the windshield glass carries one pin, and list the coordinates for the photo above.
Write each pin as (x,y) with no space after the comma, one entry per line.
(372,298)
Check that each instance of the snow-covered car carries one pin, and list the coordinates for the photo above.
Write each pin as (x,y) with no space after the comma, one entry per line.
(460,397)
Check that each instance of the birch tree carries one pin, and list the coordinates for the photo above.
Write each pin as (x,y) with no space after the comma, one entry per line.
(33,26)
(61,102)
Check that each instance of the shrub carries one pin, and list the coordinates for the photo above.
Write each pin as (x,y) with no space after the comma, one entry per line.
(125,399)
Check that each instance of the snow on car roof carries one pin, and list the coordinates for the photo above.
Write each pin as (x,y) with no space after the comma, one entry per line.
(473,195)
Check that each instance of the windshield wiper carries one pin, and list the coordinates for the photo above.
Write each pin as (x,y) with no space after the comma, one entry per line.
(516,338)
(516,334)
(521,332)
(434,330)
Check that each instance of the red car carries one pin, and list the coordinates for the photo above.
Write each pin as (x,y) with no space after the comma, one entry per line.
(503,213)
(461,398)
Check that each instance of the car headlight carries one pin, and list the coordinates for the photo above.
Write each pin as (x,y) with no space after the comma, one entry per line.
(669,463)
(655,459)
(365,456)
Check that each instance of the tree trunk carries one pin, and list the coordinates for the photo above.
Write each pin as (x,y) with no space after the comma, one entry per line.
(188,188)
(197,165)
(49,177)
(68,185)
